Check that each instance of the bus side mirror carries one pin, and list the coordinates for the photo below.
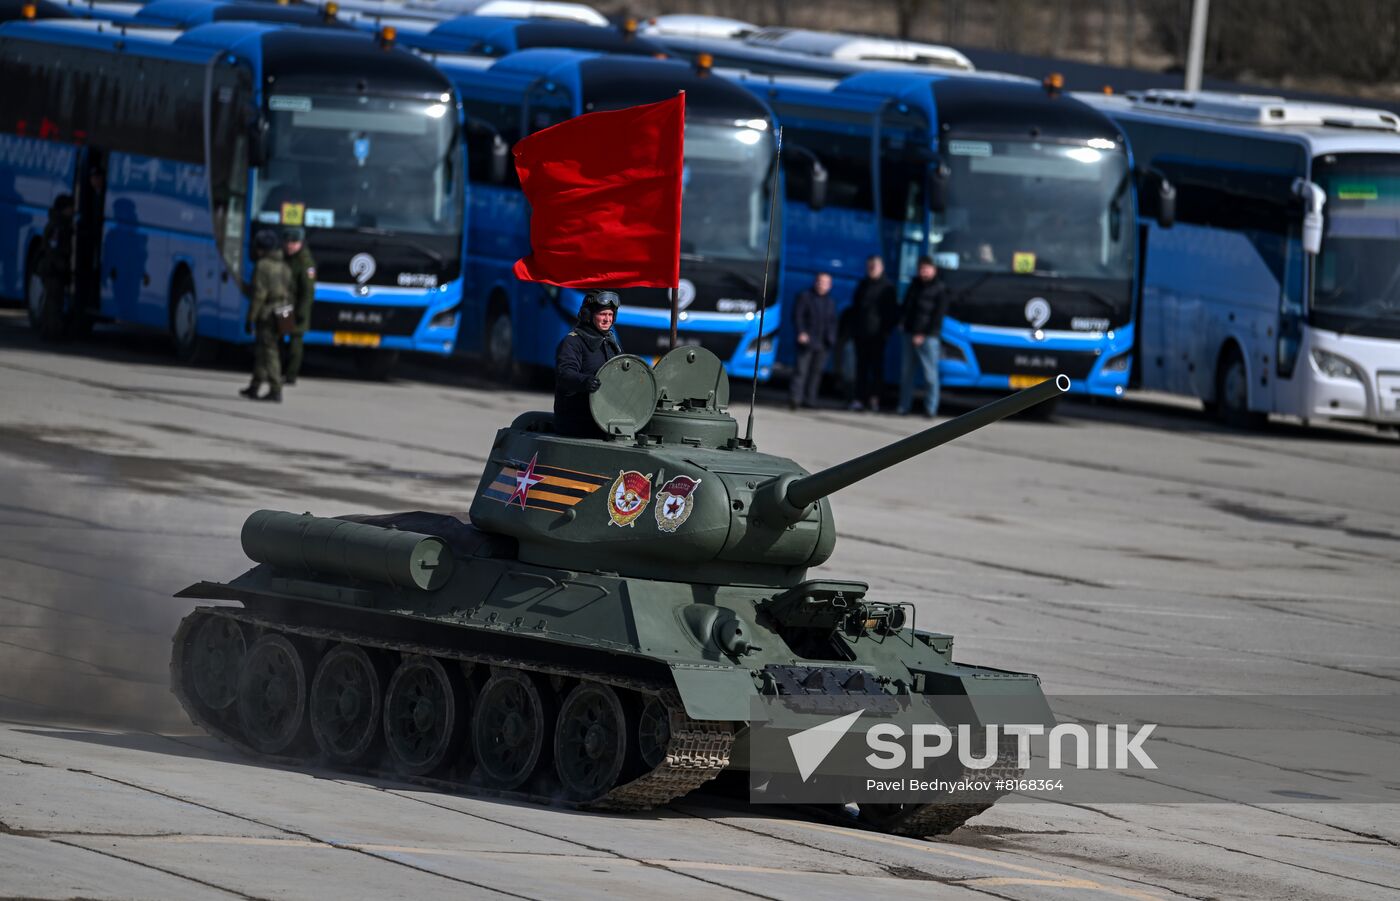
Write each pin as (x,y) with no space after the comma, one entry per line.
(500,159)
(938,188)
(817,199)
(1166,203)
(1314,199)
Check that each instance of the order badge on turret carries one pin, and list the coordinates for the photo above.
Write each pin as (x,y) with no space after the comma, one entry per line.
(674,502)
(630,493)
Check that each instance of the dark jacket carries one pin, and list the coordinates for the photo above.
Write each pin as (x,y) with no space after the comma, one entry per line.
(303,285)
(581,354)
(924,306)
(58,246)
(815,314)
(874,308)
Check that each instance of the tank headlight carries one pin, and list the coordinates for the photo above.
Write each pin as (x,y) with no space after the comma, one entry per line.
(1333,366)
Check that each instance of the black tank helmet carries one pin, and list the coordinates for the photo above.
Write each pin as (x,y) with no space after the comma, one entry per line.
(595,300)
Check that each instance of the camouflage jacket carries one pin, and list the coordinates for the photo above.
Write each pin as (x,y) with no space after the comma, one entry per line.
(272,285)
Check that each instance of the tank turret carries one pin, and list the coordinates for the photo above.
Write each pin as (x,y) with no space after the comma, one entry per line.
(673,492)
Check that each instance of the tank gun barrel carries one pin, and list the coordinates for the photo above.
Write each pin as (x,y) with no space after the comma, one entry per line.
(789,498)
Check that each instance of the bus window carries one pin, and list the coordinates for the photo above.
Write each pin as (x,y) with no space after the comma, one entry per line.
(846,158)
(491,126)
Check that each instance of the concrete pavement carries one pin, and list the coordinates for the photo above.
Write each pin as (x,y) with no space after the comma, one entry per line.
(1120,549)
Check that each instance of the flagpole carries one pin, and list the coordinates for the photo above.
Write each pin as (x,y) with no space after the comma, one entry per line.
(675,317)
(675,308)
(767,258)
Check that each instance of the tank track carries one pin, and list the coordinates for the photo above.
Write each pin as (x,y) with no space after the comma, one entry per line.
(941,818)
(695,753)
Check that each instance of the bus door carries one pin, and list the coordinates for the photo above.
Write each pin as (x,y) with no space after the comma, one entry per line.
(90,195)
(903,153)
(233,143)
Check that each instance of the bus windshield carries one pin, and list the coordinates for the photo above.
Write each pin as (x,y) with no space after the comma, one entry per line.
(1358,270)
(1023,206)
(358,162)
(724,211)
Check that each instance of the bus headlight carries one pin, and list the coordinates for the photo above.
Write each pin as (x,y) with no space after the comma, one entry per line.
(446,319)
(1334,366)
(764,347)
(951,352)
(1116,364)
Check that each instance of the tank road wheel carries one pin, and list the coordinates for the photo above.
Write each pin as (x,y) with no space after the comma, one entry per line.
(424,711)
(272,695)
(590,741)
(508,734)
(653,732)
(213,657)
(347,698)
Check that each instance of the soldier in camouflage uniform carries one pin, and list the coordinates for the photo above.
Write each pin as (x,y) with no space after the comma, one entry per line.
(272,290)
(303,294)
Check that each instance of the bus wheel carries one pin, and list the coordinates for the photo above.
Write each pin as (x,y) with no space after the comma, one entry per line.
(500,345)
(376,365)
(190,346)
(1232,393)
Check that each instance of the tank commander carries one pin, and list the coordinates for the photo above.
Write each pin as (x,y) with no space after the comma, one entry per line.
(588,345)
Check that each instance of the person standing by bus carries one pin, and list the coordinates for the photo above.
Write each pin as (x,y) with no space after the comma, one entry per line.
(272,299)
(925,302)
(56,266)
(814,321)
(874,312)
(303,295)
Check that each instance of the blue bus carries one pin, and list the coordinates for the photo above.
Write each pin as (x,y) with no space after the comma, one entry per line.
(1270,282)
(1023,197)
(491,36)
(177,144)
(729,161)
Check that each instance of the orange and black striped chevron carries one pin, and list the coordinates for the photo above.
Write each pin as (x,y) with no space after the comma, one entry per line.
(557,489)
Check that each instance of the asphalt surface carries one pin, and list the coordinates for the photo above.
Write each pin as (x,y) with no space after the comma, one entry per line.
(1119,549)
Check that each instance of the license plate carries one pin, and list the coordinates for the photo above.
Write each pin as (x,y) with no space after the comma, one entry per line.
(1027,381)
(355,339)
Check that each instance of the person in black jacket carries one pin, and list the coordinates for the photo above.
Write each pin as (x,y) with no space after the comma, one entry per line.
(925,302)
(874,312)
(584,350)
(814,324)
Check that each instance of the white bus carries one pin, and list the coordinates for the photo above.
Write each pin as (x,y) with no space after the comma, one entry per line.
(1270,265)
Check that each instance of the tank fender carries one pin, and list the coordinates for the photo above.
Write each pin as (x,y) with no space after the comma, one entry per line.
(715,691)
(981,695)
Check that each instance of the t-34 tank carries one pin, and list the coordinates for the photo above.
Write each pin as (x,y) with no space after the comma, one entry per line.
(593,631)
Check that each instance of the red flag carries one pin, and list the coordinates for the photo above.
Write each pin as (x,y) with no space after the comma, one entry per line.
(605,198)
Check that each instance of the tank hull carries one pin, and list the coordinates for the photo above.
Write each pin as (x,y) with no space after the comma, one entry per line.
(673,668)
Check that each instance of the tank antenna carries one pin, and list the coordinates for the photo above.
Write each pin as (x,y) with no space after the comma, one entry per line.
(767,260)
